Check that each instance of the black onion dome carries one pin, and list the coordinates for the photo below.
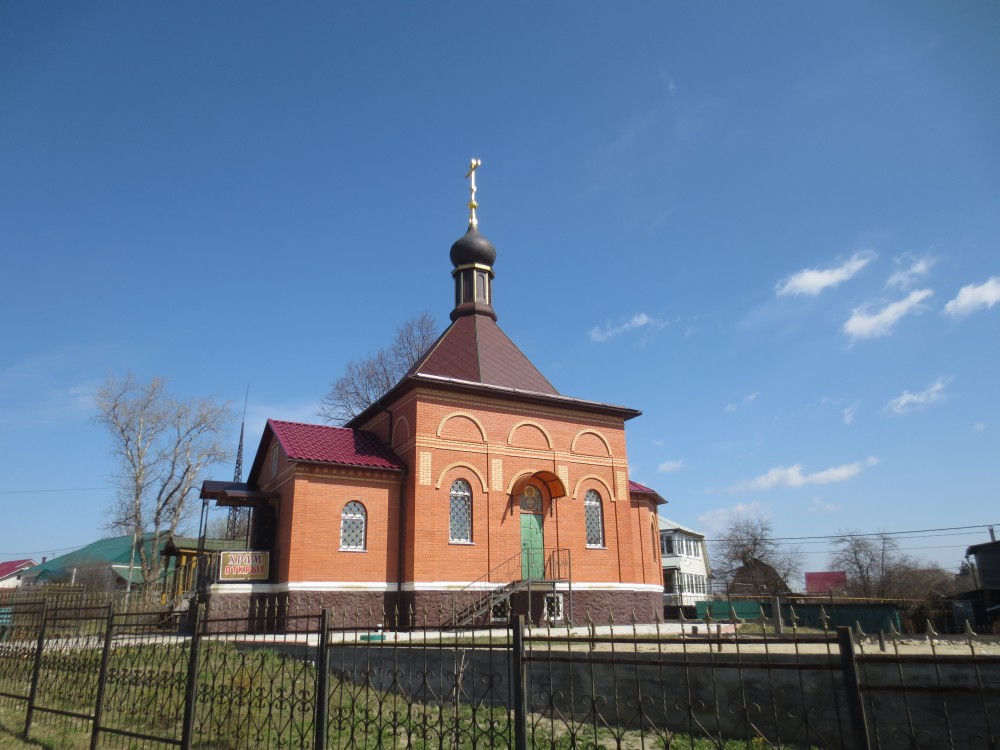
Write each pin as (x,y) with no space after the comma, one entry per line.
(473,248)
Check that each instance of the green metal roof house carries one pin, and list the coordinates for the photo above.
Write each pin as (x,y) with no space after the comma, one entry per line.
(113,553)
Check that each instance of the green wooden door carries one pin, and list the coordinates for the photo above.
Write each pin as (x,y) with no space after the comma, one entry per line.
(532,546)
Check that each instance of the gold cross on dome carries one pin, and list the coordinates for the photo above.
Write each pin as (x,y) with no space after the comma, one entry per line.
(474,164)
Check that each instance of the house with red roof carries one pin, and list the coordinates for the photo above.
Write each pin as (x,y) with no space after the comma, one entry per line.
(470,490)
(10,572)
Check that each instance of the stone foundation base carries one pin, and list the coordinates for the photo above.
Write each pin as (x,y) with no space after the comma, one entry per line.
(300,611)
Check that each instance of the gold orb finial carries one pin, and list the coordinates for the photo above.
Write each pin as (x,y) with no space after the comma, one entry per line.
(474,164)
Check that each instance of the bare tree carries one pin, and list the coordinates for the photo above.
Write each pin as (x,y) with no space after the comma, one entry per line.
(367,379)
(876,567)
(162,445)
(749,559)
(868,562)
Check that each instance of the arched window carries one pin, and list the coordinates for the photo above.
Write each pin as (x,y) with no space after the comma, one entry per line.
(353,521)
(460,513)
(593,515)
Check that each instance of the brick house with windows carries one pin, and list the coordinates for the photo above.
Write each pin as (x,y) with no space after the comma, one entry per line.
(471,489)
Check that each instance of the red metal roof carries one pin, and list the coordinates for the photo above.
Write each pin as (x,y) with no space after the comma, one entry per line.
(641,489)
(13,566)
(474,349)
(333,445)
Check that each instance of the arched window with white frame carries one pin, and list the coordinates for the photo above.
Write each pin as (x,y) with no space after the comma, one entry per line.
(460,512)
(593,516)
(353,526)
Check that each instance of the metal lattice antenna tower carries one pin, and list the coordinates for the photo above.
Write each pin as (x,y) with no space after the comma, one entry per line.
(238,475)
(238,516)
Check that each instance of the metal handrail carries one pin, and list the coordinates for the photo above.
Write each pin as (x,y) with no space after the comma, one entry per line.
(556,567)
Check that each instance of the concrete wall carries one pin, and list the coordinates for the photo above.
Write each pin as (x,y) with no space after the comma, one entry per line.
(799,701)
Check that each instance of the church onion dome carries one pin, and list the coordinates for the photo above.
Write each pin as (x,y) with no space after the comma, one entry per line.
(473,249)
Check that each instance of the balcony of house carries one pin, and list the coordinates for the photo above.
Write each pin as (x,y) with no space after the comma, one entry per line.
(681,589)
(686,572)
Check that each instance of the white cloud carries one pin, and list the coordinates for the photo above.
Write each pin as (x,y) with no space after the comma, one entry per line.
(974,297)
(737,405)
(865,325)
(670,466)
(718,519)
(979,427)
(792,476)
(910,402)
(640,320)
(907,277)
(812,281)
(818,506)
(668,82)
(849,413)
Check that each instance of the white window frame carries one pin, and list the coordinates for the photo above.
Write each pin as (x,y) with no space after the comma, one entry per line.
(588,505)
(363,517)
(454,494)
(558,610)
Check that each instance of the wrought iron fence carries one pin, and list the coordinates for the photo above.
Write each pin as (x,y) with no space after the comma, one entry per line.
(135,680)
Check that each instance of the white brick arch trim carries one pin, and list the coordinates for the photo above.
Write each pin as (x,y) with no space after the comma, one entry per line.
(600,481)
(595,433)
(533,423)
(461,465)
(467,415)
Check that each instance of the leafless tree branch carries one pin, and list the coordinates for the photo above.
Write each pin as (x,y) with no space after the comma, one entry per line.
(162,446)
(367,379)
(748,558)
(877,568)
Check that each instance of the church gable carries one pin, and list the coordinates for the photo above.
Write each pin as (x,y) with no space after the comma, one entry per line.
(284,443)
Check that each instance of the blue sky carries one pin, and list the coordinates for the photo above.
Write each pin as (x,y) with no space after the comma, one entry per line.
(772,227)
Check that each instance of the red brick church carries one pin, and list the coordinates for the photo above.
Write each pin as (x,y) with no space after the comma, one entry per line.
(471,489)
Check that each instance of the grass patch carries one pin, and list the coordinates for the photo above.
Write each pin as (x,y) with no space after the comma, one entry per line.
(49,738)
(252,697)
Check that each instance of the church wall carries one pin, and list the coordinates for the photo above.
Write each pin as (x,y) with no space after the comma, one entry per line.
(647,539)
(493,442)
(278,476)
(315,553)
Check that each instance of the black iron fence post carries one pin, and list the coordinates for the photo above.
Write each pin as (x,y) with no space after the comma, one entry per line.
(322,680)
(191,688)
(37,669)
(520,683)
(852,688)
(102,679)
